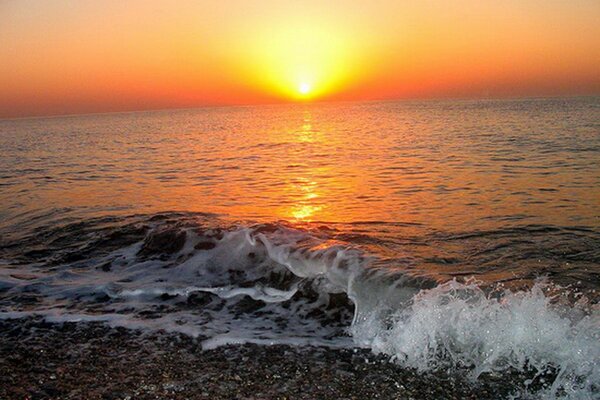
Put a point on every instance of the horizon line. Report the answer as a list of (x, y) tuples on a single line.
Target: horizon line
[(288, 103)]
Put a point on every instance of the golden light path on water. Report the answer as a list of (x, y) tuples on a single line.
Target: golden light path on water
[(431, 163), (308, 188)]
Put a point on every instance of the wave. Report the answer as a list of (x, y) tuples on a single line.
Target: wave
[(278, 284)]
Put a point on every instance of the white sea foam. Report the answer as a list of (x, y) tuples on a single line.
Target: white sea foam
[(461, 325), (457, 324), (293, 277)]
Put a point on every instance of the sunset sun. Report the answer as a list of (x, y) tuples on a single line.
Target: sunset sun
[(304, 88), (302, 61)]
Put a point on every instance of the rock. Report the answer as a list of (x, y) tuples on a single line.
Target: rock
[(167, 296), (106, 267), (205, 246), (166, 241), (200, 299)]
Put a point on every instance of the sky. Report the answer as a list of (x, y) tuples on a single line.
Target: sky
[(70, 57)]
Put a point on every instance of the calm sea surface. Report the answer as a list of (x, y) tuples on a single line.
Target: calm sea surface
[(391, 203), (527, 168), (447, 166)]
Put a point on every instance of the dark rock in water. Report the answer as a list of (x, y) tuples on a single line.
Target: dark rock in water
[(167, 296), (167, 241), (102, 298), (248, 305), (205, 246), (339, 301), (106, 267), (200, 298)]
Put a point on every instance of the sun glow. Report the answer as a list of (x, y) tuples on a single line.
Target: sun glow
[(304, 88), (302, 61)]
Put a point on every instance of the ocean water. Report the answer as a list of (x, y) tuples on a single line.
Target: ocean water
[(446, 234)]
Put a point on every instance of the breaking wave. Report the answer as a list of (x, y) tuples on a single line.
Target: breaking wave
[(279, 284)]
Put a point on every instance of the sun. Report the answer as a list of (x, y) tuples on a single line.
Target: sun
[(301, 61), (304, 88)]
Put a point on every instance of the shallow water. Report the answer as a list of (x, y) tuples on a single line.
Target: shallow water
[(461, 234)]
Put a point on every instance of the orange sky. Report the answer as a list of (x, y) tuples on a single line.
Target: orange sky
[(64, 57)]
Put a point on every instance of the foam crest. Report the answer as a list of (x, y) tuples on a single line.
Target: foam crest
[(460, 325)]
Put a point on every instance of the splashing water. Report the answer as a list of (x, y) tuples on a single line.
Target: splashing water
[(274, 283)]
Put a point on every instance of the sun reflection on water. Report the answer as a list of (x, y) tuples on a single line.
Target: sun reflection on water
[(306, 185), (304, 212)]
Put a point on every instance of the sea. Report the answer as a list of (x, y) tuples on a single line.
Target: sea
[(453, 234)]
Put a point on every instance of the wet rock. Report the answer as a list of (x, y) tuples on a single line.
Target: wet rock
[(166, 241), (167, 296), (102, 298), (106, 267), (200, 299), (247, 305), (205, 245)]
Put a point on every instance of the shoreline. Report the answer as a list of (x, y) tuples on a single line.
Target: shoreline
[(40, 360)]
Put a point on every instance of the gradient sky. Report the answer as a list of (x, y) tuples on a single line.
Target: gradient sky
[(65, 57)]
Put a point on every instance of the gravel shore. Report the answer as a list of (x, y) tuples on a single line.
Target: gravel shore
[(39, 360)]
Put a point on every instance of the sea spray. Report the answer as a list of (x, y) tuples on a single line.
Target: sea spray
[(277, 284), (460, 325)]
